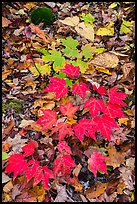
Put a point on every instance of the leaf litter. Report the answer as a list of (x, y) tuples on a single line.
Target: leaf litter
[(77, 103)]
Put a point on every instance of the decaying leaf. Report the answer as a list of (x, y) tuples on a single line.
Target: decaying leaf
[(115, 158), (106, 59), (62, 195), (96, 191), (5, 22), (39, 32)]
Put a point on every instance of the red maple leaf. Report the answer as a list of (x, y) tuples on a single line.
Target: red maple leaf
[(71, 70), (95, 106), (85, 127), (105, 124), (29, 149), (68, 109), (16, 164), (101, 90), (48, 119), (58, 86), (47, 174), (31, 169), (64, 148), (97, 162), (63, 165), (64, 129), (113, 110), (80, 89), (117, 97)]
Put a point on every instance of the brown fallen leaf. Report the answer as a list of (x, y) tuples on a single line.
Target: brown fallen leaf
[(106, 59), (83, 198), (5, 22), (112, 186), (5, 74), (85, 31), (25, 123), (71, 21), (7, 130), (127, 68), (129, 112), (38, 192), (121, 186), (39, 32), (77, 170), (115, 158), (96, 190), (123, 121), (5, 178), (26, 197), (7, 188)]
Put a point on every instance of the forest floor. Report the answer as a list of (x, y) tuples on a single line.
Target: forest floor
[(73, 154)]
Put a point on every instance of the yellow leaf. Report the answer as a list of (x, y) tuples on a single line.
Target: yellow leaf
[(106, 31), (72, 21), (129, 112), (123, 121), (132, 196), (104, 70), (126, 26), (113, 5), (43, 69), (85, 31)]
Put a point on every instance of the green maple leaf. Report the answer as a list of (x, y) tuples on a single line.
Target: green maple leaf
[(70, 49), (55, 57), (4, 156), (43, 69), (70, 52), (83, 65), (87, 51), (88, 18), (70, 43)]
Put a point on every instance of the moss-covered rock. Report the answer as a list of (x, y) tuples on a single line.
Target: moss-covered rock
[(44, 15), (16, 104)]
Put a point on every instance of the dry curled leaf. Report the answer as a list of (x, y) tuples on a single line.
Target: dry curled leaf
[(106, 59)]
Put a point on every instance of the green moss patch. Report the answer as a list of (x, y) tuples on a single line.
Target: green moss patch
[(44, 15)]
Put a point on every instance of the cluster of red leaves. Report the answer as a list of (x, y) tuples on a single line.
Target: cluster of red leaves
[(102, 118)]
